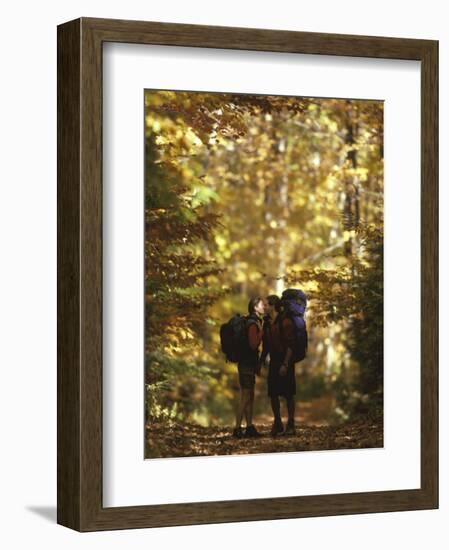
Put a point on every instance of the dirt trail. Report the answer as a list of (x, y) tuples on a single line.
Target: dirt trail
[(193, 440)]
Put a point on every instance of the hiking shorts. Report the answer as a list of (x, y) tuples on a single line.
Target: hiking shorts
[(247, 377), (278, 385)]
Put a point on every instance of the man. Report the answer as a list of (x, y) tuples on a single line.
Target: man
[(278, 343), (247, 367)]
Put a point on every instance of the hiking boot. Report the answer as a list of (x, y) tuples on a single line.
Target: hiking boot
[(251, 431), (290, 429), (237, 433), (277, 428)]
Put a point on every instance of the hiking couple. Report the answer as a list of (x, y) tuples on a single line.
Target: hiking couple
[(278, 326)]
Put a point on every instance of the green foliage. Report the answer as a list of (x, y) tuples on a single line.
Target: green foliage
[(176, 289), (170, 384), (352, 296)]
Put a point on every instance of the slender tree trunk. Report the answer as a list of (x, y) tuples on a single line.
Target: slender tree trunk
[(282, 148)]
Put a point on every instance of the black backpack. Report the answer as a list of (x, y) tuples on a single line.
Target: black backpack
[(233, 337)]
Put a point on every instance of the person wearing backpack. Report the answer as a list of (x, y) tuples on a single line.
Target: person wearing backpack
[(248, 362), (285, 341), (275, 344)]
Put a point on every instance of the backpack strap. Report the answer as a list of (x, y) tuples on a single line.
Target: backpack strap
[(280, 321), (250, 320)]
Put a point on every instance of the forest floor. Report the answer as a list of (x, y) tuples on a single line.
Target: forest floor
[(180, 440)]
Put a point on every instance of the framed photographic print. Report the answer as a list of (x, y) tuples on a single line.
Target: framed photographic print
[(247, 274)]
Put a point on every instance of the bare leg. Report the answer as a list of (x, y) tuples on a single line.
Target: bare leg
[(291, 409), (249, 408), (246, 410), (276, 408), (244, 399)]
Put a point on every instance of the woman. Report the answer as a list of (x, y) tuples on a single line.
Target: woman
[(247, 367)]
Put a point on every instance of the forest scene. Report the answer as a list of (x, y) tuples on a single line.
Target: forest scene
[(247, 196)]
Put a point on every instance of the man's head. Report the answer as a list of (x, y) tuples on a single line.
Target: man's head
[(256, 306), (273, 304)]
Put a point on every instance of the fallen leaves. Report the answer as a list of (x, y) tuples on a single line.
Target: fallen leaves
[(192, 440)]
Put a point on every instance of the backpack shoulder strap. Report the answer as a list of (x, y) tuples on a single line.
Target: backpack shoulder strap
[(250, 321), (281, 318)]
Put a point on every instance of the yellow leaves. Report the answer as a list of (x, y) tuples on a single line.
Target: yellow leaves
[(321, 220), (348, 235), (331, 182), (220, 240), (316, 159), (362, 173), (191, 139), (333, 126), (186, 334), (282, 184), (300, 200)]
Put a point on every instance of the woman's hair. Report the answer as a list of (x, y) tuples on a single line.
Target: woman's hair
[(275, 301), (253, 303)]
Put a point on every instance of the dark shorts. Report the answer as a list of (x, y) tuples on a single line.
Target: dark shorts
[(247, 377), (284, 386)]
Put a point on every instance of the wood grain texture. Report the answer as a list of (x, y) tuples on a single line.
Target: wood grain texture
[(429, 271), (144, 32), (80, 274), (68, 316)]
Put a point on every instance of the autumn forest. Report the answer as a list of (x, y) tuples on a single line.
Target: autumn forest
[(248, 195)]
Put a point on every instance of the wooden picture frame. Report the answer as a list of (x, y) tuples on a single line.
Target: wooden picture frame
[(80, 351)]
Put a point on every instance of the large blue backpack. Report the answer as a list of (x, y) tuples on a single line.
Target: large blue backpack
[(293, 306)]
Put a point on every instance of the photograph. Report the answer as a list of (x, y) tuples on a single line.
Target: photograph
[(263, 273)]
